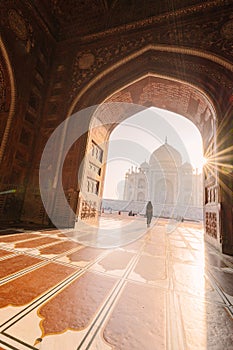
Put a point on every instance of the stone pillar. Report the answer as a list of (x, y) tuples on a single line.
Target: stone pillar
[(225, 160)]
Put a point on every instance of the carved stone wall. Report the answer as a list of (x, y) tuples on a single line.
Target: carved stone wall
[(99, 69), (64, 61), (174, 96), (225, 173), (30, 51), (5, 95), (211, 224), (209, 35)]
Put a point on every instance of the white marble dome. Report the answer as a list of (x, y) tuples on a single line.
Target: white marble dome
[(165, 155)]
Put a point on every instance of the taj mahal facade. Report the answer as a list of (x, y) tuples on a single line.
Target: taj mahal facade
[(174, 188)]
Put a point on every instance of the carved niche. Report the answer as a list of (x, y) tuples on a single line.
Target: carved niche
[(211, 224), (21, 27), (227, 30), (88, 62)]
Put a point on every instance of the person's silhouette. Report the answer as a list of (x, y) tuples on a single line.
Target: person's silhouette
[(149, 213)]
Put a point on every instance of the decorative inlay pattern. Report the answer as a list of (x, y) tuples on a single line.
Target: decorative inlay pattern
[(17, 24), (138, 320), (131, 314), (86, 60), (18, 237), (92, 20), (172, 95), (227, 30), (116, 260), (211, 224), (150, 268), (16, 263), (36, 242), (4, 253), (218, 75), (75, 307), (85, 254), (62, 235), (59, 248), (21, 27), (102, 56), (33, 284), (155, 249)]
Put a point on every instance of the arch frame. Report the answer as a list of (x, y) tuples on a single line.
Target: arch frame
[(11, 114), (188, 52), (107, 80)]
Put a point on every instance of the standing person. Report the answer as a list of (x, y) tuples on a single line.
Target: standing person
[(149, 213)]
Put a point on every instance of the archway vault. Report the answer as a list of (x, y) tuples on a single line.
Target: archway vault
[(189, 82), (172, 95), (206, 71), (162, 92)]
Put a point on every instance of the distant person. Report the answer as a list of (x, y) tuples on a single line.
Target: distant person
[(149, 213)]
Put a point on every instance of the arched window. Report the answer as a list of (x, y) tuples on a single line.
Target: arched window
[(141, 196), (141, 183)]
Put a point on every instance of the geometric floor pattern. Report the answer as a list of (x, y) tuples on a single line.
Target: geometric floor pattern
[(163, 291)]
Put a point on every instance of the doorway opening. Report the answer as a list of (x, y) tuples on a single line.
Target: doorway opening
[(148, 91), (155, 155)]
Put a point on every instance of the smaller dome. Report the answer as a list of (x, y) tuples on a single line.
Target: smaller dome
[(187, 167), (144, 165)]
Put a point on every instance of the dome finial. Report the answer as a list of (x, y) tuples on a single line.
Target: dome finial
[(165, 140)]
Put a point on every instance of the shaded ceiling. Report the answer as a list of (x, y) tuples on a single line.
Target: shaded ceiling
[(68, 18)]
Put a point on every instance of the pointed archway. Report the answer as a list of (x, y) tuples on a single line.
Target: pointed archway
[(180, 80), (176, 96)]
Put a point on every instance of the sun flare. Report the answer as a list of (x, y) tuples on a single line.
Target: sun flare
[(204, 161)]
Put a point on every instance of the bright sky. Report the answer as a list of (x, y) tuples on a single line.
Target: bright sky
[(134, 140)]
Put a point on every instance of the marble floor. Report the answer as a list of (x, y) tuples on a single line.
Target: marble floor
[(163, 291)]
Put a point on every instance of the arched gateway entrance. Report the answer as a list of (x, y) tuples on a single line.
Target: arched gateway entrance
[(163, 92), (176, 82)]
